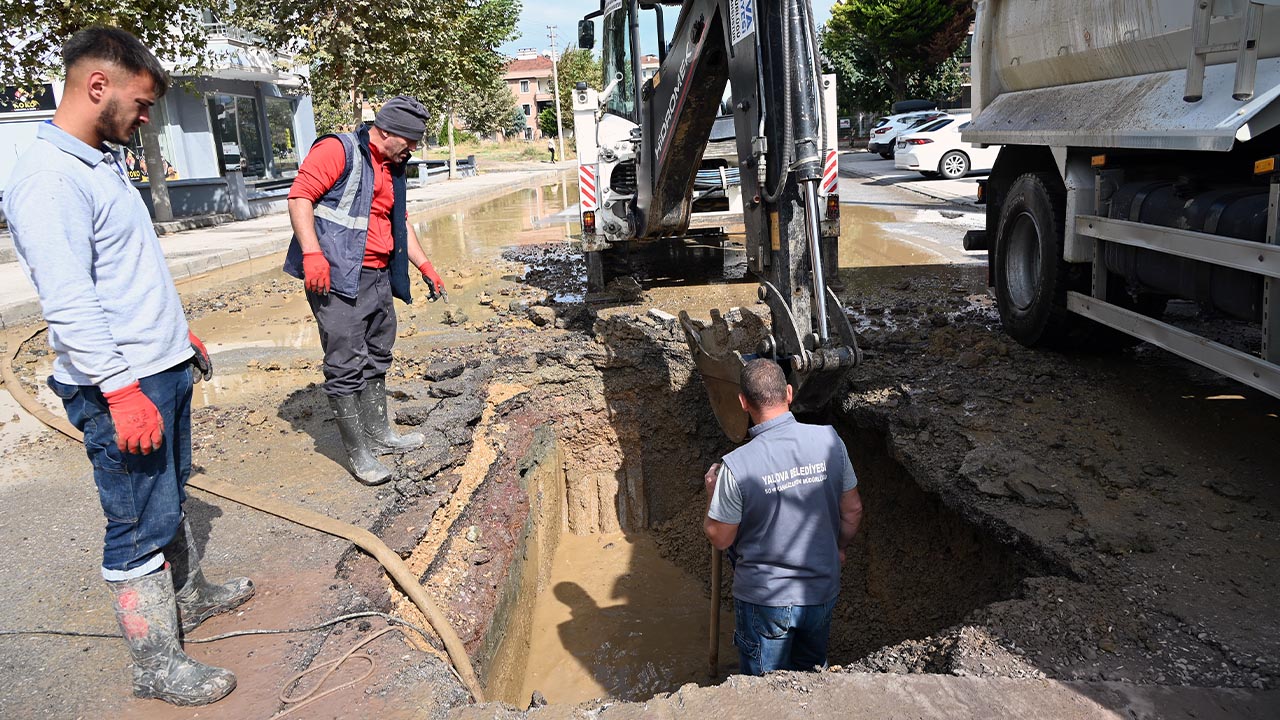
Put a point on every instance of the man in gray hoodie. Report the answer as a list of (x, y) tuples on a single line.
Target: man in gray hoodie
[(125, 358)]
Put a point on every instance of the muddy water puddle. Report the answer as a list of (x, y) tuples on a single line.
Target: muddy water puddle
[(465, 245), (617, 620), (873, 236)]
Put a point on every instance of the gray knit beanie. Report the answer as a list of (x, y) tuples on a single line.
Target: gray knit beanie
[(403, 115)]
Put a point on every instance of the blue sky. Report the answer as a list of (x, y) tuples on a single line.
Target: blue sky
[(565, 14)]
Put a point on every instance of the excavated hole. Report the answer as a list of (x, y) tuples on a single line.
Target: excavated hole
[(609, 592)]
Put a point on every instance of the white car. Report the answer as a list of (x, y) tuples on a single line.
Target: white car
[(886, 131), (936, 150)]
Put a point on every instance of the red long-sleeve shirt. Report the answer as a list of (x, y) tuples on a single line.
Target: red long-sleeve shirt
[(323, 167)]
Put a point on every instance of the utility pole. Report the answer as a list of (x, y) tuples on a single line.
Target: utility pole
[(555, 80)]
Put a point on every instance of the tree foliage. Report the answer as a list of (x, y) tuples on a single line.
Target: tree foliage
[(437, 50), (488, 109), (888, 50), (547, 122), (515, 124), (576, 65), (33, 31)]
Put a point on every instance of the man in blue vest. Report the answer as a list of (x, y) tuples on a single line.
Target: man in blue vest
[(352, 245), (786, 506)]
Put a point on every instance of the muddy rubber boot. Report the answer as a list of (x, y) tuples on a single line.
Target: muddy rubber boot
[(361, 460), (377, 425), (147, 613), (198, 599)]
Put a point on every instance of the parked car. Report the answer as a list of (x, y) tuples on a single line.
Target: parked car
[(936, 150), (887, 130)]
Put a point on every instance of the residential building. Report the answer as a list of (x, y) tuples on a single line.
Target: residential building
[(231, 139), (529, 77), (648, 66)]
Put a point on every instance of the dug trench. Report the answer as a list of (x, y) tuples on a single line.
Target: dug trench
[(570, 550)]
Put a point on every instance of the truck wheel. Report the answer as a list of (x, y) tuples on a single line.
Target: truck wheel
[(1031, 278), (953, 165)]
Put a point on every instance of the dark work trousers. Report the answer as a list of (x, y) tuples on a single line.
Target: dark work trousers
[(356, 335)]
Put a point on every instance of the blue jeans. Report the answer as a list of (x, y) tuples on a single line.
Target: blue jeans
[(790, 637), (141, 495)]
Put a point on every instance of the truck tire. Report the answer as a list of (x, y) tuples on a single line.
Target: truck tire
[(953, 165), (1031, 278)]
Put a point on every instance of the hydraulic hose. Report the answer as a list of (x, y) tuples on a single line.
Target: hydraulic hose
[(783, 167), (362, 538)]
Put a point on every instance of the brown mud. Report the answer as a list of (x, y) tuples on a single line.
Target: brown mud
[(1029, 514)]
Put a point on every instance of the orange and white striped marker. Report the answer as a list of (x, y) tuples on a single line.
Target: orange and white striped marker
[(587, 186)]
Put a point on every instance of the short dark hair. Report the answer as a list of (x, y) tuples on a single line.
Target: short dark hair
[(764, 384), (118, 47)]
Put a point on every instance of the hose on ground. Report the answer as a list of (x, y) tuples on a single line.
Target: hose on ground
[(362, 538)]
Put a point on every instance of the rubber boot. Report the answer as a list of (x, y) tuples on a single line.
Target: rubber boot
[(377, 425), (147, 613), (198, 599), (361, 461)]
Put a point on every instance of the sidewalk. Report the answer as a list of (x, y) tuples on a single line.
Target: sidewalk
[(201, 250), (958, 192)]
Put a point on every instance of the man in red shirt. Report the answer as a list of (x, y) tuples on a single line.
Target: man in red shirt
[(352, 246)]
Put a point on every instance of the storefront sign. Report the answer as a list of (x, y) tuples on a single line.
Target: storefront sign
[(38, 98)]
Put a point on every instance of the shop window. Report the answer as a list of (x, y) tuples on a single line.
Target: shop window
[(237, 134), (135, 160), (284, 142)]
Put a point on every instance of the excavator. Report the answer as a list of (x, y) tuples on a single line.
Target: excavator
[(657, 161)]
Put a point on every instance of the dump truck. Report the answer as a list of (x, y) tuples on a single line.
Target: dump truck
[(1137, 174)]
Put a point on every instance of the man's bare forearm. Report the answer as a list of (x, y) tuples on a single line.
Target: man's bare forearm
[(850, 517), (302, 218)]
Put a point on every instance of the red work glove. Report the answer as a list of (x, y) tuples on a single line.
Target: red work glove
[(201, 362), (315, 269), (139, 428), (431, 278)]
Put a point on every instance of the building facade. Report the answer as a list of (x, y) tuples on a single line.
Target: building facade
[(529, 78), (231, 139)]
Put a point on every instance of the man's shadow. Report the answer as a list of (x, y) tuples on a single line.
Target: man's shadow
[(307, 410), (200, 516)]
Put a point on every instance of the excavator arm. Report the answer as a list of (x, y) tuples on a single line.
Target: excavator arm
[(766, 53)]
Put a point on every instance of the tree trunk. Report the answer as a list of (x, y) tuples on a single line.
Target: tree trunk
[(161, 208), (453, 152), (357, 111)]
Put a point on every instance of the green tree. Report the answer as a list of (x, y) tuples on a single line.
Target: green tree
[(437, 50), (883, 51), (34, 31), (515, 124), (576, 65), (547, 122), (488, 109)]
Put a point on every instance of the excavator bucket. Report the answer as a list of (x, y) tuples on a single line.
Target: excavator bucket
[(715, 353)]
